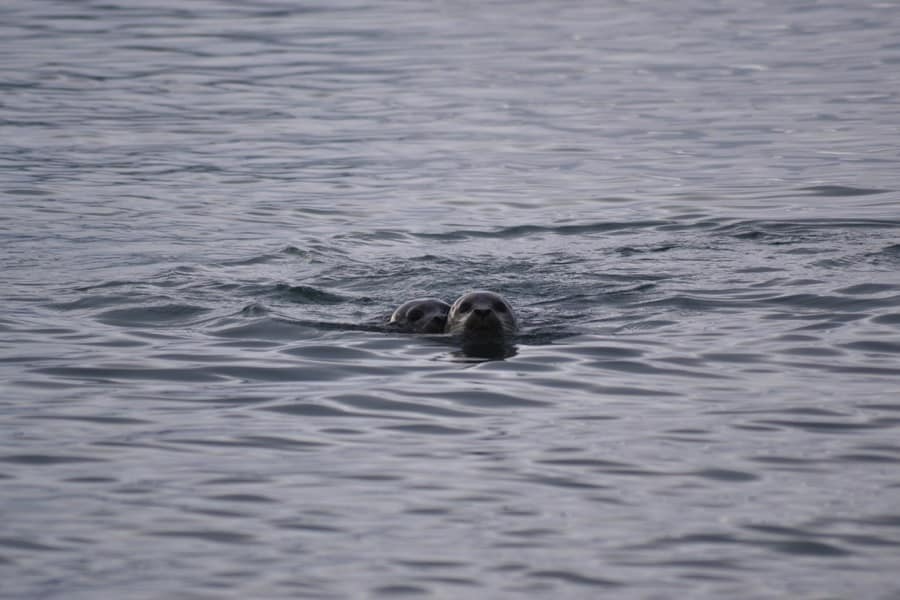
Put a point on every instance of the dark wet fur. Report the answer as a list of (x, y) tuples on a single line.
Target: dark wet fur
[(422, 315)]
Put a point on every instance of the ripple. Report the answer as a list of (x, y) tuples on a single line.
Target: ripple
[(15, 543), (205, 535), (575, 578), (429, 429), (98, 419), (797, 231), (887, 319), (242, 498), (304, 294), (392, 591), (329, 353), (867, 458), (875, 346), (153, 316), (726, 475), (311, 409), (823, 302), (41, 460), (841, 191), (93, 301), (823, 427), (112, 374), (381, 404), (488, 399), (865, 289), (252, 441), (518, 231), (262, 330), (807, 548)]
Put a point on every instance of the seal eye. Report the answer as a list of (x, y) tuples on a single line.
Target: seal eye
[(414, 315), (499, 307), (465, 307)]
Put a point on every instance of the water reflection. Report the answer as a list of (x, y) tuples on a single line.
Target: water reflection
[(484, 351)]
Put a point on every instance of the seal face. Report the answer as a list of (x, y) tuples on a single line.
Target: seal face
[(483, 317), (422, 315)]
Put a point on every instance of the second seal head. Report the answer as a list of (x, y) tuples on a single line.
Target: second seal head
[(422, 315)]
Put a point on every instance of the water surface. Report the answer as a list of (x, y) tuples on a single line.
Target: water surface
[(211, 208)]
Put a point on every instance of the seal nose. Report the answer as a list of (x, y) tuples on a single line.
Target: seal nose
[(482, 312), (437, 325)]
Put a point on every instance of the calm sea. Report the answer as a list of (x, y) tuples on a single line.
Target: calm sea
[(210, 207)]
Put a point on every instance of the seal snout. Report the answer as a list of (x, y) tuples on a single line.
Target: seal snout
[(437, 324), (483, 316)]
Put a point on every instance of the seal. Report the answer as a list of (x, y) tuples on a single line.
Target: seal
[(422, 315), (482, 317)]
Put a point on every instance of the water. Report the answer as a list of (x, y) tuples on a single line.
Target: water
[(210, 208)]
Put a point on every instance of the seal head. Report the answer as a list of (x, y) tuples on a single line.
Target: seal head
[(482, 317), (422, 315)]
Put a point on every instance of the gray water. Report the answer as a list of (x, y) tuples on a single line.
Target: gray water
[(210, 207)]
